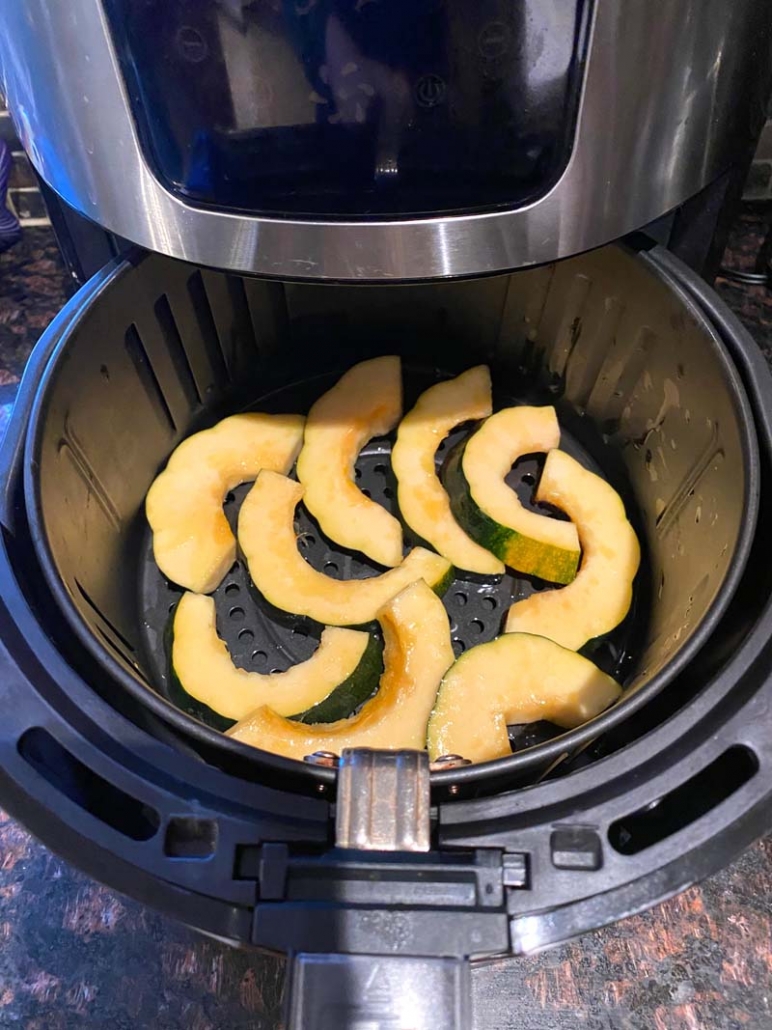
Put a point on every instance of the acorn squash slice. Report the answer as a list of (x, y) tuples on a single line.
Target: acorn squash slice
[(600, 596), (516, 678), (423, 503), (490, 511), (341, 674), (365, 402), (192, 542), (416, 654), (269, 543)]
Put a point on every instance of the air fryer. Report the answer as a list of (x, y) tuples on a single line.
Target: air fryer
[(575, 828), (312, 238)]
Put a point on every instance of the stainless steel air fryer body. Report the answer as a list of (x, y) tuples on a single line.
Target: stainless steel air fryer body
[(351, 140)]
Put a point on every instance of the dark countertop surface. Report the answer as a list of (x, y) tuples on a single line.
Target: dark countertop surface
[(75, 955)]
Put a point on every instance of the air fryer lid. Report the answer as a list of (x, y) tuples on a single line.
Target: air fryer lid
[(372, 111), (645, 390)]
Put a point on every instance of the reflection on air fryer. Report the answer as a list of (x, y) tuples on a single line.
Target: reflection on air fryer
[(480, 510), (357, 107)]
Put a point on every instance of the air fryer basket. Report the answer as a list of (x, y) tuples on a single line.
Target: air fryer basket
[(646, 394)]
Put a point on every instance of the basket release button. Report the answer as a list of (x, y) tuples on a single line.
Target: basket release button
[(576, 847)]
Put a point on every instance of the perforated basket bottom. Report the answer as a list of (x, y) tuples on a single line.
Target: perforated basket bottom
[(262, 639)]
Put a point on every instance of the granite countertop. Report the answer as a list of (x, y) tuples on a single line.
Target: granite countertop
[(76, 955)]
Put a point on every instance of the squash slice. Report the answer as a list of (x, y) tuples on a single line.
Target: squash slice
[(341, 674), (192, 541), (365, 402), (267, 538), (600, 596), (490, 511), (423, 503), (516, 678), (417, 652)]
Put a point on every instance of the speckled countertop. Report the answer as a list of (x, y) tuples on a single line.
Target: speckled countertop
[(76, 955)]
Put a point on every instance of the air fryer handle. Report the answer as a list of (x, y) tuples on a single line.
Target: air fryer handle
[(383, 806), (349, 992)]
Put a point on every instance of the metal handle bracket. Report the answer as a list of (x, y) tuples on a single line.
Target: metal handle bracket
[(383, 801)]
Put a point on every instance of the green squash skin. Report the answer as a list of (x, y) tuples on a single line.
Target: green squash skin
[(180, 698), (359, 687), (341, 702), (442, 586), (552, 564), (344, 700)]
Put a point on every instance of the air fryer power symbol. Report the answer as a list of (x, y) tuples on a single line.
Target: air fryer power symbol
[(191, 45), (430, 90), (494, 40)]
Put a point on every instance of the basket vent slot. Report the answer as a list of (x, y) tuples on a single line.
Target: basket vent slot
[(86, 788), (242, 318), (206, 323), (179, 356), (98, 611), (135, 348), (130, 662), (684, 805)]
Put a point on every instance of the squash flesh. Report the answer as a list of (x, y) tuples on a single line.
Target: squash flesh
[(514, 679), (278, 570), (423, 502), (491, 511), (192, 542), (600, 596), (417, 652), (365, 402), (201, 662)]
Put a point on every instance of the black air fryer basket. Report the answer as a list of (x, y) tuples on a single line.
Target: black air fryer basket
[(658, 389)]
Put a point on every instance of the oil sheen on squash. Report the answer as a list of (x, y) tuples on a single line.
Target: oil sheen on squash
[(600, 596), (417, 653), (365, 402), (423, 503), (514, 679), (281, 574)]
